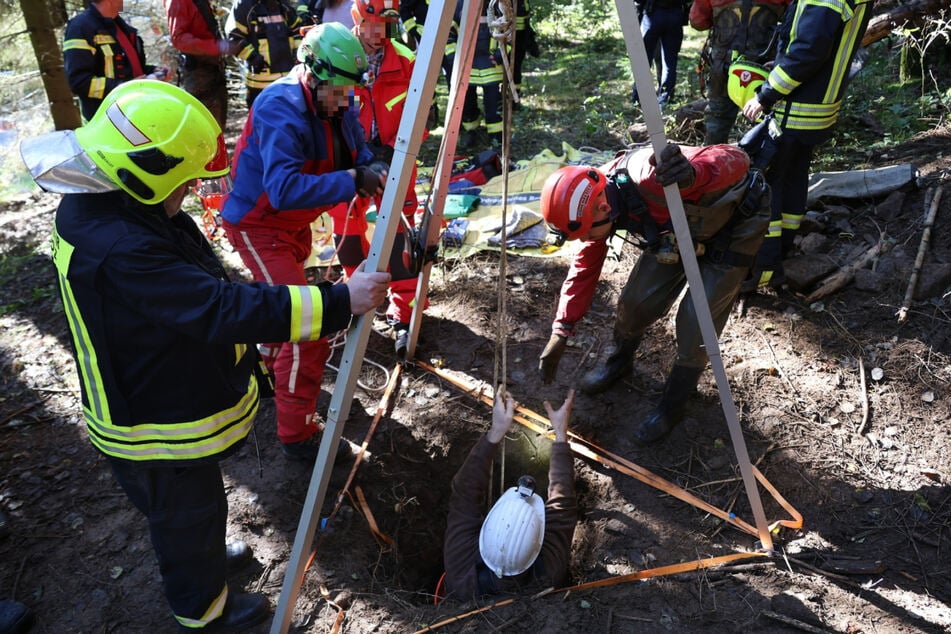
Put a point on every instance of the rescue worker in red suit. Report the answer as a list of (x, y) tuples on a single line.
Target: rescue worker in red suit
[(381, 101), (302, 152), (195, 33), (727, 208), (523, 542)]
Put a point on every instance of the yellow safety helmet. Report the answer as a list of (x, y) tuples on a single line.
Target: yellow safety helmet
[(150, 137), (743, 78)]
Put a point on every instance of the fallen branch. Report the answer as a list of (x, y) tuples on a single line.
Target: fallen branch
[(864, 389), (6, 419), (920, 258), (845, 274), (796, 623), (882, 25)]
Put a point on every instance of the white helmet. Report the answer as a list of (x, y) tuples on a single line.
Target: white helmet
[(512, 533)]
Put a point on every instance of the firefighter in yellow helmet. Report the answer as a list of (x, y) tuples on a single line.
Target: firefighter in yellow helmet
[(163, 341)]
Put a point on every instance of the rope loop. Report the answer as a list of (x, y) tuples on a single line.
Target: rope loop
[(500, 17)]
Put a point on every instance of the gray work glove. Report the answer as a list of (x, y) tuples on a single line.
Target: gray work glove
[(674, 168), (551, 355), (370, 178)]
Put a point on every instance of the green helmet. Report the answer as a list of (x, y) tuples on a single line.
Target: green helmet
[(150, 137), (333, 54)]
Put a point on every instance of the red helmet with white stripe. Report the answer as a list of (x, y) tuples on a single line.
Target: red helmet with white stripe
[(568, 199), (377, 10)]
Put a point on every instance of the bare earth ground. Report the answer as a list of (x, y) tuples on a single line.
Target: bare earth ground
[(874, 554)]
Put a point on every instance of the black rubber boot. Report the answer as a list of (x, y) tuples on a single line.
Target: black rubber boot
[(681, 384), (618, 363)]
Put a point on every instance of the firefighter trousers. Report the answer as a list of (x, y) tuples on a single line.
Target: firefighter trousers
[(277, 256)]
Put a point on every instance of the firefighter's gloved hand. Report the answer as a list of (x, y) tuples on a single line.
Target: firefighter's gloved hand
[(370, 179), (256, 63), (674, 168), (551, 356)]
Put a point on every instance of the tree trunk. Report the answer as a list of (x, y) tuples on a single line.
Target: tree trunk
[(911, 14), (42, 17)]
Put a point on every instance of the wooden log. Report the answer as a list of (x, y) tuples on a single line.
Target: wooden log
[(920, 258), (845, 274), (881, 26)]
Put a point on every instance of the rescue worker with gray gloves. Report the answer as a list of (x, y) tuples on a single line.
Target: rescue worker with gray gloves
[(727, 208), (523, 541)]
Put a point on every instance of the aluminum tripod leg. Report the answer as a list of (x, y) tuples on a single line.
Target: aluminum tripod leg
[(655, 127), (458, 84), (418, 100)]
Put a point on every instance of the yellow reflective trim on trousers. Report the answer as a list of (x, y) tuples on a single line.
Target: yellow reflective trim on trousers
[(184, 441), (791, 222), (239, 351), (775, 229), (78, 44), (389, 105), (86, 359), (307, 313), (215, 610), (493, 128)]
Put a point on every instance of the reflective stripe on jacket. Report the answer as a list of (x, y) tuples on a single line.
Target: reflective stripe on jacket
[(818, 40), (163, 341), (95, 63)]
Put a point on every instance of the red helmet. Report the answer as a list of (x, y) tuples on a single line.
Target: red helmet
[(377, 10), (567, 199)]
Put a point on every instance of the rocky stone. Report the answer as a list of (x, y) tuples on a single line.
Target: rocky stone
[(803, 271), (933, 280)]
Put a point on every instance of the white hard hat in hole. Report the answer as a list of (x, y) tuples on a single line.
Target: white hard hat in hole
[(513, 531)]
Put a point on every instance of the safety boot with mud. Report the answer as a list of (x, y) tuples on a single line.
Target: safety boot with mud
[(618, 363), (681, 384)]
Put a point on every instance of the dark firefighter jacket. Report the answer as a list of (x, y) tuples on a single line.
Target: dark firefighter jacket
[(818, 40), (95, 62), (164, 343)]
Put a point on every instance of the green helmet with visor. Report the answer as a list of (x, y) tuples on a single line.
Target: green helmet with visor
[(334, 55)]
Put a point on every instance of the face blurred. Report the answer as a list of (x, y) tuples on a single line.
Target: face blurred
[(601, 210), (334, 101), (372, 35)]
